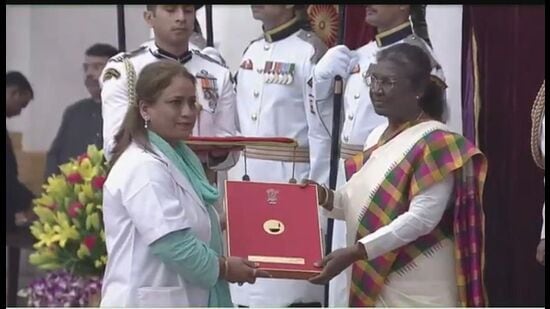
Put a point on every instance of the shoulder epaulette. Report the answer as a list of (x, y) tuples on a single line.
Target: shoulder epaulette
[(251, 42), (318, 45), (120, 57), (198, 53)]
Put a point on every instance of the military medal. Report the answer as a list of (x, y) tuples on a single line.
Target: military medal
[(286, 73), (271, 72), (209, 89), (279, 73), (291, 73), (265, 72)]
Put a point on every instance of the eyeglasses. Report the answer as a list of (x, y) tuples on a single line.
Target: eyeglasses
[(385, 83)]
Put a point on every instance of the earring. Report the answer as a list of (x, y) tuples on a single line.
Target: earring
[(146, 122), (417, 97)]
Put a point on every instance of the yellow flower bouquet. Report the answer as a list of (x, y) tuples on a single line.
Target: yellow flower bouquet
[(69, 229)]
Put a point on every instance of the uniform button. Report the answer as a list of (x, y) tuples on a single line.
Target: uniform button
[(256, 93), (350, 116), (308, 35), (346, 138), (356, 96), (254, 117), (266, 47), (97, 134)]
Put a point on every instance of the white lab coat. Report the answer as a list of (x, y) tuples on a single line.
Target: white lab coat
[(145, 198)]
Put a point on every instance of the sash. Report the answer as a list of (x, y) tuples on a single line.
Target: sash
[(435, 154)]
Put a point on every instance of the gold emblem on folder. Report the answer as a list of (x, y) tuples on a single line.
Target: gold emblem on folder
[(272, 196), (274, 227)]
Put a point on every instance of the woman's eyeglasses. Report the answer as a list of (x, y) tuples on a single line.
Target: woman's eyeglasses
[(384, 82)]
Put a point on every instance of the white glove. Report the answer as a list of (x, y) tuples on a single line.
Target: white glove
[(339, 60), (213, 53)]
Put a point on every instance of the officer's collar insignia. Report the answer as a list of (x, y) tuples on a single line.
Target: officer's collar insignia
[(111, 73), (247, 65), (283, 31), (394, 35), (356, 69), (160, 53)]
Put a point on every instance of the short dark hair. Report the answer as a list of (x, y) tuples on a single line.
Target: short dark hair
[(417, 64), (17, 79), (101, 50)]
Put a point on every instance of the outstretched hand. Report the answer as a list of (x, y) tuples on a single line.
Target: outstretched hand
[(306, 182), (242, 270), (336, 262), (322, 192)]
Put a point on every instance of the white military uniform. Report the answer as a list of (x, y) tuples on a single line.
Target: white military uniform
[(215, 93), (145, 198), (360, 119), (273, 100)]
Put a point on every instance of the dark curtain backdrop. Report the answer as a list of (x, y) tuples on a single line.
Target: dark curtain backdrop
[(357, 31), (511, 69)]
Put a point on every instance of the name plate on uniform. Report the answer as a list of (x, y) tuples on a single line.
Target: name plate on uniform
[(276, 225)]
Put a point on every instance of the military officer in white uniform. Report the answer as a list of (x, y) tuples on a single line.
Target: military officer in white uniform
[(273, 100), (172, 26), (393, 26)]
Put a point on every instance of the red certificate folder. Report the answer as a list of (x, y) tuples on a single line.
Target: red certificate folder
[(276, 225)]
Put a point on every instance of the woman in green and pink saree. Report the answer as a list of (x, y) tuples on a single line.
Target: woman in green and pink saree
[(413, 200)]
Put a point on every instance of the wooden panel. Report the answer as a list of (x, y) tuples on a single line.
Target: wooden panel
[(31, 165), (31, 172)]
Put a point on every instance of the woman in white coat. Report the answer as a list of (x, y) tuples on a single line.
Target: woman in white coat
[(162, 233)]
